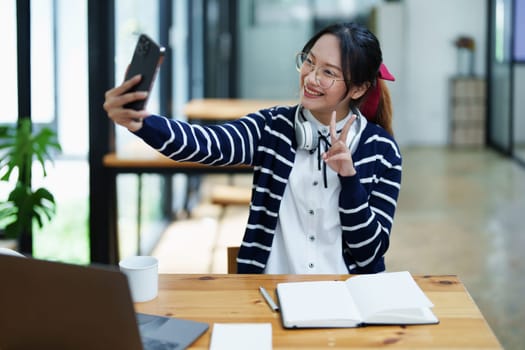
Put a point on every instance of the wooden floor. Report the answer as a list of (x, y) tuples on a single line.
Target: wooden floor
[(459, 212)]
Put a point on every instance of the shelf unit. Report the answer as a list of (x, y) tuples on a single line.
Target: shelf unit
[(468, 111)]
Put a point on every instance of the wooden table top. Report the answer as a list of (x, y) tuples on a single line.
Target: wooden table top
[(220, 109), (157, 161), (236, 299)]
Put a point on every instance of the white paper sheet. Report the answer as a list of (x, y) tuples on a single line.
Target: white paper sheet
[(241, 336)]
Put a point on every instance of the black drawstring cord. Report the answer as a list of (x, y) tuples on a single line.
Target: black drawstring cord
[(327, 145)]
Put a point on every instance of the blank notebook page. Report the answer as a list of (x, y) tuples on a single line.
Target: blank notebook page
[(317, 301), (387, 291)]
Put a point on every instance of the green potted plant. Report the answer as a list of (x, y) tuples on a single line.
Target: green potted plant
[(25, 206)]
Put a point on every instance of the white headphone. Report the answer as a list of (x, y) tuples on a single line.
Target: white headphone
[(306, 133)]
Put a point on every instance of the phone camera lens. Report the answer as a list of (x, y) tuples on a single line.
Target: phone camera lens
[(143, 47)]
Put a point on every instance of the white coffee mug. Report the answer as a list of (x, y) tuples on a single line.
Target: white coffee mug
[(143, 277)]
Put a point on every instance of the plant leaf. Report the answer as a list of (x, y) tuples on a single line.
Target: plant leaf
[(19, 148), (22, 147)]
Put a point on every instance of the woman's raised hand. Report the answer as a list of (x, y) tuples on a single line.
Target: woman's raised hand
[(116, 98)]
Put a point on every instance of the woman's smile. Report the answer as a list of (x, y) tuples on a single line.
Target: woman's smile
[(310, 91)]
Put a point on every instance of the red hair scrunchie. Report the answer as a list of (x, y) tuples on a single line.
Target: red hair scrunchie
[(369, 106)]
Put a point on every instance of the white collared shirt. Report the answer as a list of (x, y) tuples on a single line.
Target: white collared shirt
[(308, 236)]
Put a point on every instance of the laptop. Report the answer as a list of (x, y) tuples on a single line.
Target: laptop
[(52, 305)]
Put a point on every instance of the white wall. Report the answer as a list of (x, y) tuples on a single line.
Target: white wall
[(417, 39)]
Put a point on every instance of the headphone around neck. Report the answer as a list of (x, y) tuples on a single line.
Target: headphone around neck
[(306, 134), (307, 138)]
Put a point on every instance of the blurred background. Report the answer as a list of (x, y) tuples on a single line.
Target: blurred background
[(458, 110)]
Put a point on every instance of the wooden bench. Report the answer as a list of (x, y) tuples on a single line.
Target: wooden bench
[(230, 195)]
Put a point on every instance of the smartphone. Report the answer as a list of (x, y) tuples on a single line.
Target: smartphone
[(146, 60)]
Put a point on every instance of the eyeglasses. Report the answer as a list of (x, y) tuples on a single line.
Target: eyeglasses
[(325, 76)]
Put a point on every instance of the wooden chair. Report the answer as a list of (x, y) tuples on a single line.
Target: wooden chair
[(232, 253)]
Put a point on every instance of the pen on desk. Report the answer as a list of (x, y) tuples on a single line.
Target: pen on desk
[(268, 299)]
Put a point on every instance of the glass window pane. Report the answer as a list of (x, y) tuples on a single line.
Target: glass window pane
[(9, 86), (72, 77), (60, 68), (519, 31), (501, 73), (42, 61)]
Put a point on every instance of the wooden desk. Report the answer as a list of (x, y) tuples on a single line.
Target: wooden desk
[(219, 109), (236, 299)]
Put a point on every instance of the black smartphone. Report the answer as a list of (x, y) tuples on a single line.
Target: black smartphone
[(146, 60)]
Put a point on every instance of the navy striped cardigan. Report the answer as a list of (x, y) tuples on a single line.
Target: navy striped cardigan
[(266, 141)]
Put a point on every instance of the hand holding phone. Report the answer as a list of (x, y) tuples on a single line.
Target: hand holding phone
[(146, 60)]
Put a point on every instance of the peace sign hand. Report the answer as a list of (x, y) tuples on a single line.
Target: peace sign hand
[(338, 157)]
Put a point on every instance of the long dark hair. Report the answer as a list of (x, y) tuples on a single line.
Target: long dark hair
[(361, 57)]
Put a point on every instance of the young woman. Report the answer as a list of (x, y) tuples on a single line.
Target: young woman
[(326, 178)]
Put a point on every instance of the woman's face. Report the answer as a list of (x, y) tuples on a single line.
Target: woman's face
[(323, 62)]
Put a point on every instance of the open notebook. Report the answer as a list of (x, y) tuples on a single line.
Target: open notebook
[(51, 305), (384, 298)]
